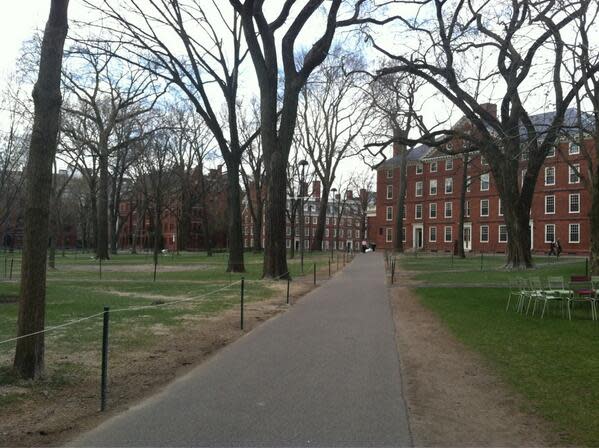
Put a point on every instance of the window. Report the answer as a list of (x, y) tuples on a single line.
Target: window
[(448, 236), (314, 220), (306, 244), (484, 182), (484, 234), (307, 220), (418, 211), (574, 148), (433, 167), (288, 244), (403, 234), (389, 213), (448, 209), (327, 221), (483, 161), (467, 209), (468, 183), (550, 175), (419, 188), (326, 245), (307, 231), (389, 234), (432, 234), (574, 233), (449, 165), (573, 176), (341, 233), (326, 233), (389, 174), (349, 233), (522, 178), (502, 234), (551, 152), (403, 213), (389, 191), (288, 231), (419, 168), (549, 205), (575, 203), (448, 185), (549, 233), (432, 188), (484, 207), (432, 211), (500, 208)]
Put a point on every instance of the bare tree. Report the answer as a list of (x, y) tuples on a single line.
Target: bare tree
[(363, 184), (182, 43), (521, 37), (47, 98), (332, 115), (277, 127), (108, 94)]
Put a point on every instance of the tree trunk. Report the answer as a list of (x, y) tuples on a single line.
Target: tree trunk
[(235, 235), (157, 230), (401, 199), (461, 251), (114, 226), (322, 216), (258, 226), (292, 231), (275, 260), (29, 353), (102, 243), (53, 236), (594, 218)]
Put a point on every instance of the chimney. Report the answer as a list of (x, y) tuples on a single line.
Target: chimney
[(316, 189), (349, 194), (363, 194), (491, 108), (397, 147)]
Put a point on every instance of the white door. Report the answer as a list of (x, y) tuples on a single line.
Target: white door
[(468, 237)]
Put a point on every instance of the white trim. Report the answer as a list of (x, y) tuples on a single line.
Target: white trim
[(499, 233), (421, 185), (485, 178), (570, 203), (571, 172), (480, 233), (547, 196), (430, 208), (430, 187), (545, 234), (430, 239), (416, 206), (547, 169), (570, 233), (450, 210), (481, 208), (445, 240), (390, 191), (389, 217)]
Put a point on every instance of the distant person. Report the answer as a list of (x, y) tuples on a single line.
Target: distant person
[(558, 248), (364, 246), (552, 247)]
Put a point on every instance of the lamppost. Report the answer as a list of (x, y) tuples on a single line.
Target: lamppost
[(302, 164), (332, 230)]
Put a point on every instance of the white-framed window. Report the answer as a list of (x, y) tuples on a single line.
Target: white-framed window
[(502, 232), (549, 175), (432, 210), (549, 233), (288, 231), (306, 220), (448, 234), (307, 231), (341, 231), (484, 207), (349, 233), (522, 178), (484, 182), (500, 207), (573, 177), (315, 220), (389, 174), (551, 152), (467, 209), (449, 165), (432, 234), (418, 211), (433, 167), (574, 233), (574, 203), (468, 183), (403, 234), (327, 220), (403, 213), (484, 234), (432, 187), (419, 188), (573, 148), (326, 233), (326, 245), (448, 185), (550, 205), (389, 213), (288, 244), (419, 169), (483, 161), (448, 209), (389, 191), (389, 234)]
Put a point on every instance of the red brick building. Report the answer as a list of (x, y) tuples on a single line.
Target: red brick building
[(559, 211), (344, 215)]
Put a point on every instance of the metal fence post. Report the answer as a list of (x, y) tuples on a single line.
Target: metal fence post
[(288, 281), (104, 382), (329, 268), (481, 261), (242, 294), (100, 268), (155, 267), (314, 269), (586, 267)]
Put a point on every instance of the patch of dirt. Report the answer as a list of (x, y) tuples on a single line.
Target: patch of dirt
[(453, 397), (4, 299), (47, 418), (141, 295)]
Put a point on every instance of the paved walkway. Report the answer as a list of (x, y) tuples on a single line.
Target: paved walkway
[(326, 373)]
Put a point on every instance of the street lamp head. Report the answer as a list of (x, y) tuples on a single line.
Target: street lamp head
[(302, 163), (333, 190)]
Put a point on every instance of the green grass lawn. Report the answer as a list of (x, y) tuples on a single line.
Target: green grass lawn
[(75, 290), (553, 362)]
